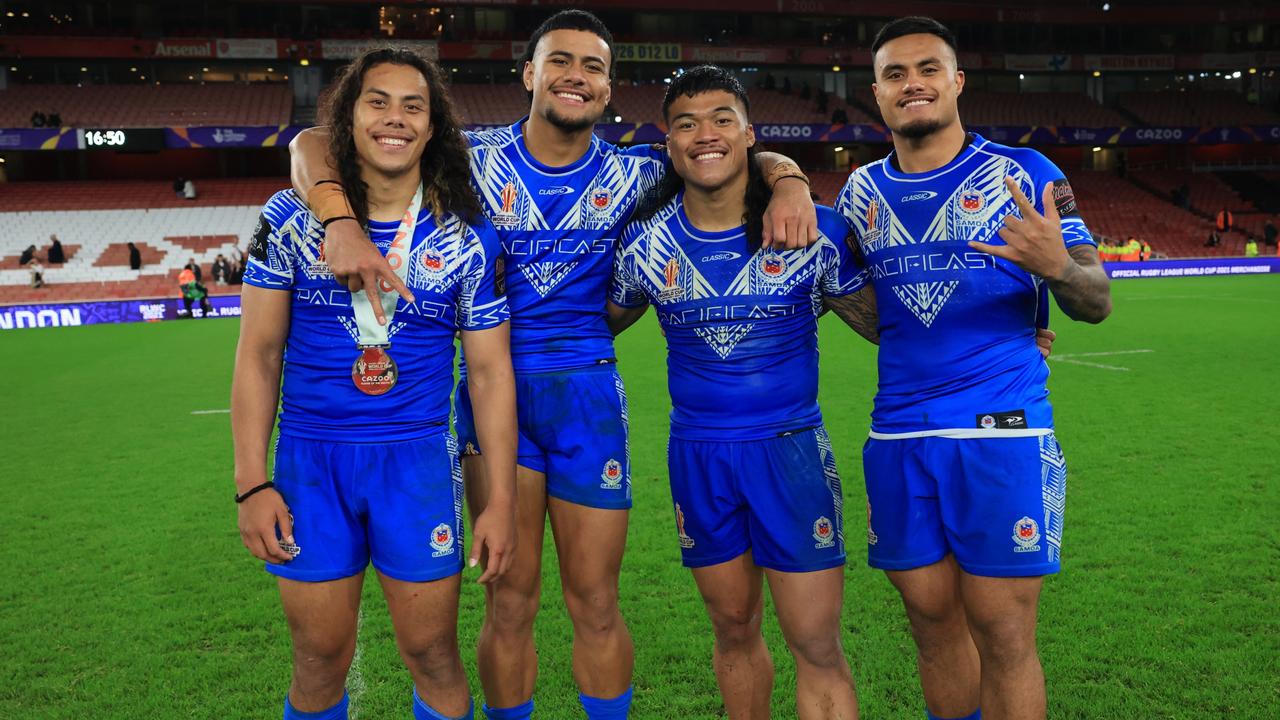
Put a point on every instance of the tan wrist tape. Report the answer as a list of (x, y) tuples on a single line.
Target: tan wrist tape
[(328, 200)]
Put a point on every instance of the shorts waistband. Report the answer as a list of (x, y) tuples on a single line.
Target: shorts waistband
[(963, 434)]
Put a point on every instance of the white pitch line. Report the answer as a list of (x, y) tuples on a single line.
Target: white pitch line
[(223, 411), (1097, 365), (1098, 354), (355, 680)]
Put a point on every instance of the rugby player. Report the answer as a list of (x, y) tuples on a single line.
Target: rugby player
[(365, 466), (966, 483), (753, 477), (559, 197)]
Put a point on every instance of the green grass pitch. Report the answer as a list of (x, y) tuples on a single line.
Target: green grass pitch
[(127, 594)]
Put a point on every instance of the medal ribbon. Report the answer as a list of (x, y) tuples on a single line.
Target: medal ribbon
[(371, 333)]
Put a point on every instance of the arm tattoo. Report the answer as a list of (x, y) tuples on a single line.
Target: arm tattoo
[(1084, 290), (858, 311)]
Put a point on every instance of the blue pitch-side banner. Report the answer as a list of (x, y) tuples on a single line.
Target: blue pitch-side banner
[(16, 317), (1193, 267), (630, 133)]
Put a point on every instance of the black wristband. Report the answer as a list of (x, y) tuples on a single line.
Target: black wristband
[(321, 182), (326, 223), (249, 493)]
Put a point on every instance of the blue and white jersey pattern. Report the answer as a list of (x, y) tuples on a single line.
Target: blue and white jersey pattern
[(559, 230), (740, 325), (456, 275), (957, 353)]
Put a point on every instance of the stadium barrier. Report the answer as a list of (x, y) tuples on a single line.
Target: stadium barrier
[(280, 135), (1193, 267), (18, 317)]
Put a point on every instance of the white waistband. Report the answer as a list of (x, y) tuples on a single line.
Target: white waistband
[(964, 433)]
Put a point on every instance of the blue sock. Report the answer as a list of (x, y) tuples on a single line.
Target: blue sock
[(423, 711), (337, 712), (519, 712), (614, 709), (975, 715)]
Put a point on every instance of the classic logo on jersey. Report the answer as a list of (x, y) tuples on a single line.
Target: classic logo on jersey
[(726, 255), (433, 260), (505, 217), (723, 338), (611, 478), (824, 532), (772, 265), (923, 195), (872, 538), (671, 276), (925, 300), (557, 190), (442, 540), (600, 199), (971, 201), (546, 275), (1026, 534), (686, 542)]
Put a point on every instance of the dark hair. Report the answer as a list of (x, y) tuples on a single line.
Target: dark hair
[(913, 25), (446, 161), (699, 80), (570, 20)]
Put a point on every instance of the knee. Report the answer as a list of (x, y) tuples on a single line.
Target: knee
[(817, 649), (512, 610), (594, 610), (935, 618), (735, 627), (1004, 642), (323, 661), (436, 658)]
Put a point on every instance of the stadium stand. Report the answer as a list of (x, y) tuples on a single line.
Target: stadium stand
[(1203, 108), (96, 221), (490, 104), (979, 107), (149, 105)]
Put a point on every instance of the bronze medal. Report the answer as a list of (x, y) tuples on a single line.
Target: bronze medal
[(374, 372)]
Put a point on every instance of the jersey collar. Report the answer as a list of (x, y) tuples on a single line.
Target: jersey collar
[(972, 141), (528, 159)]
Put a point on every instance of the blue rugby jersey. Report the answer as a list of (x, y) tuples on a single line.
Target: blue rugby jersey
[(957, 326), (559, 230), (741, 326), (456, 276)]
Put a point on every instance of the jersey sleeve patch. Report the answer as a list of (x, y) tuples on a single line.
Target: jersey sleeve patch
[(1064, 198)]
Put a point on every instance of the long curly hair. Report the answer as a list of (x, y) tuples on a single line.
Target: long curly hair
[(446, 161), (702, 79)]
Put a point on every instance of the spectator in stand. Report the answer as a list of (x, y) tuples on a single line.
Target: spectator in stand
[(135, 257), (237, 265), (37, 271), (821, 97), (27, 255), (189, 190), (1215, 239), (194, 267), (57, 255), (839, 117), (1269, 233), (53, 120), (221, 270), (1251, 247), (37, 119), (178, 184), (1226, 221), (192, 291)]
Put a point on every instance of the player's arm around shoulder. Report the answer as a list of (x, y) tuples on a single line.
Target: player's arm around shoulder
[(255, 389), (845, 283), (486, 345), (1051, 241), (627, 302), (791, 219)]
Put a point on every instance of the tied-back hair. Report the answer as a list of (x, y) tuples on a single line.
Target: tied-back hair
[(446, 161), (702, 79)]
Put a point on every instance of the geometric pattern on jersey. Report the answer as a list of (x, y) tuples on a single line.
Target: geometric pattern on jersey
[(559, 228), (957, 324), (732, 316), (1053, 483)]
